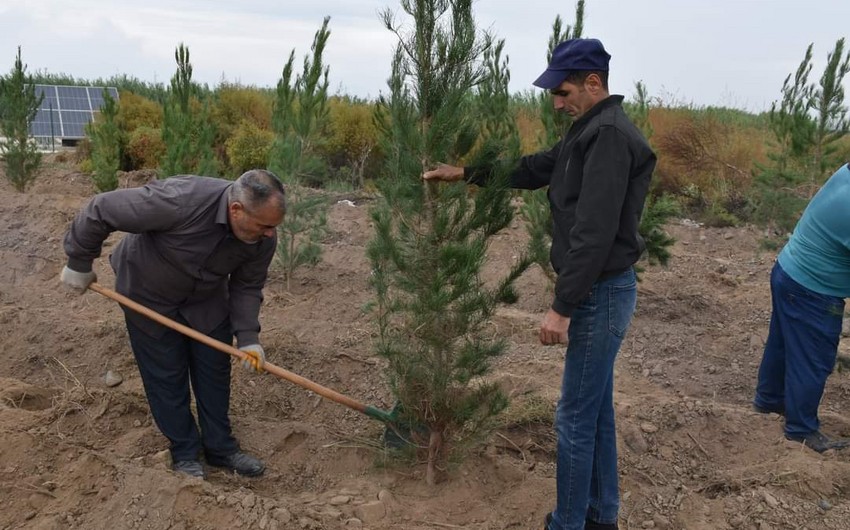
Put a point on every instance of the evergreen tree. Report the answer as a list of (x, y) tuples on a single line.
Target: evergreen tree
[(18, 107), (188, 135), (658, 210), (431, 238), (106, 145), (535, 209), (298, 118), (804, 146), (303, 228), (831, 123)]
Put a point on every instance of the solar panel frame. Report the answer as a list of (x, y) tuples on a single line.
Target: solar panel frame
[(71, 108)]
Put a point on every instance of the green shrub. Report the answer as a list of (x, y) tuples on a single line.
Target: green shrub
[(248, 147), (353, 139)]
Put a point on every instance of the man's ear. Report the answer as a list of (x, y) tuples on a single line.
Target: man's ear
[(593, 83)]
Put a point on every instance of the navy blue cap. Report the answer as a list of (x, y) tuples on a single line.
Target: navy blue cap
[(571, 55)]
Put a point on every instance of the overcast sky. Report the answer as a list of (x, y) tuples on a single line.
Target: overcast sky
[(733, 53)]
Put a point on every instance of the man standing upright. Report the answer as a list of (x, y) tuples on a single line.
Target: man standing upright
[(598, 177), (197, 251)]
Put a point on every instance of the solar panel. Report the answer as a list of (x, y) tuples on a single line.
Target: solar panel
[(66, 110)]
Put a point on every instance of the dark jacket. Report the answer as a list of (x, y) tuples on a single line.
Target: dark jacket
[(180, 256), (598, 177)]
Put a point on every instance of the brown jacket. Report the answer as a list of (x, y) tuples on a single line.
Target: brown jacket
[(179, 257)]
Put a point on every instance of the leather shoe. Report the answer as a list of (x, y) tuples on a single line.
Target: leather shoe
[(588, 524), (193, 468), (240, 463), (819, 442)]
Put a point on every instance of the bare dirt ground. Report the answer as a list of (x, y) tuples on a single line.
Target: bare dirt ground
[(76, 453)]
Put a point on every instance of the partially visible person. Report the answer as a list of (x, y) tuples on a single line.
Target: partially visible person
[(808, 285), (598, 177), (197, 251)]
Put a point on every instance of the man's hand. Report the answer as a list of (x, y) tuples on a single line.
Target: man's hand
[(256, 359), (79, 281), (554, 328), (444, 172)]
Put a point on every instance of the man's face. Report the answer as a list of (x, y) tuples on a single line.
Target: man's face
[(573, 99), (251, 226)]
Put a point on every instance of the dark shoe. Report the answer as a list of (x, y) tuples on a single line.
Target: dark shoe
[(819, 442), (193, 468), (239, 462), (547, 522), (593, 525), (766, 410)]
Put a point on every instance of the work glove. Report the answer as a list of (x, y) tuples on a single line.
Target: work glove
[(256, 357), (77, 280)]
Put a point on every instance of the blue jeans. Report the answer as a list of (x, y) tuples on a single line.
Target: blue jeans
[(587, 478), (167, 365), (800, 352)]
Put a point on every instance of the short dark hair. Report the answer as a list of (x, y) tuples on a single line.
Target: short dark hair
[(577, 77), (256, 187)]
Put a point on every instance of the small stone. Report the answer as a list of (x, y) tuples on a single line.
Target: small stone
[(385, 496), (648, 428), (249, 501), (648, 524), (137, 423), (371, 512), (769, 499), (339, 500), (354, 523), (112, 378), (824, 505), (661, 521), (282, 515)]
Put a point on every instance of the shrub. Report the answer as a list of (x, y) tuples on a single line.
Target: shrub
[(145, 148), (353, 138), (135, 111), (248, 147)]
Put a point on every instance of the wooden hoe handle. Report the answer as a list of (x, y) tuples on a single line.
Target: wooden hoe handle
[(227, 348)]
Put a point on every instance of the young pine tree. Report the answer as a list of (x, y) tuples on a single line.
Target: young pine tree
[(805, 146), (431, 238), (106, 145), (831, 121), (18, 107), (188, 134), (659, 209), (299, 115), (535, 209)]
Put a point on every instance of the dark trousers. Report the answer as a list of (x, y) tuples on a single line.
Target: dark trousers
[(800, 352), (167, 365)]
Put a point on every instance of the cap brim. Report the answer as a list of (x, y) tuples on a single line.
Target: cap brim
[(550, 79)]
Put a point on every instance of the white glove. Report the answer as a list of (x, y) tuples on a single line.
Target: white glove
[(256, 357), (77, 280)]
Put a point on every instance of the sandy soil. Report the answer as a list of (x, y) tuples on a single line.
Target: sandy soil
[(76, 453)]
